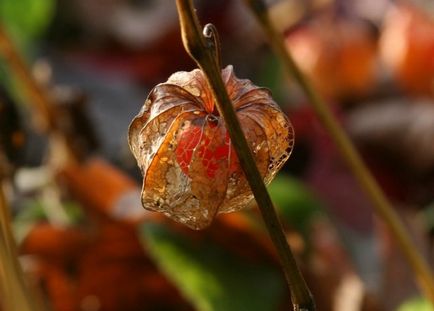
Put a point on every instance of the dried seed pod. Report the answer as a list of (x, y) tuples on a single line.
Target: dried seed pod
[(190, 170)]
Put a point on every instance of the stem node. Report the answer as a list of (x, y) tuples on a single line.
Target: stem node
[(207, 58)]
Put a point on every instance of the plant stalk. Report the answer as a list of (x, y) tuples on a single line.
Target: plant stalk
[(14, 292), (382, 206), (44, 107), (204, 53), (37, 95)]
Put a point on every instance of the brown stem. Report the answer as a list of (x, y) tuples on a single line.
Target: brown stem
[(15, 294), (38, 97), (204, 55), (43, 105), (380, 202)]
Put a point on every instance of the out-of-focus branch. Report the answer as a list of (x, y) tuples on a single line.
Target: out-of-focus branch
[(37, 95), (15, 295), (381, 204)]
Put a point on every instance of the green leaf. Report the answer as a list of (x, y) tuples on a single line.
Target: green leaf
[(427, 215), (74, 211), (23, 21), (26, 19), (33, 212), (294, 202), (271, 76), (416, 304), (211, 278)]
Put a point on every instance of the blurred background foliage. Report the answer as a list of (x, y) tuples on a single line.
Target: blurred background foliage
[(27, 20), (85, 242)]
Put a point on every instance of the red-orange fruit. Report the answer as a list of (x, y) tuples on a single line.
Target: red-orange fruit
[(338, 56), (190, 170), (407, 47)]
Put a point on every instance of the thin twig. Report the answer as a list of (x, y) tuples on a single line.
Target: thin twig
[(381, 204), (37, 95), (15, 292), (203, 52), (44, 108)]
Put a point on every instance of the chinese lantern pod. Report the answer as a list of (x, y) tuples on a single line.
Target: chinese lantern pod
[(181, 144)]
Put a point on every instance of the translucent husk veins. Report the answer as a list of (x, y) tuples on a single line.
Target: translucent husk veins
[(204, 54), (190, 169)]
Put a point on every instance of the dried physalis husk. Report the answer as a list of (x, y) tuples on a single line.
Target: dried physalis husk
[(190, 169)]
